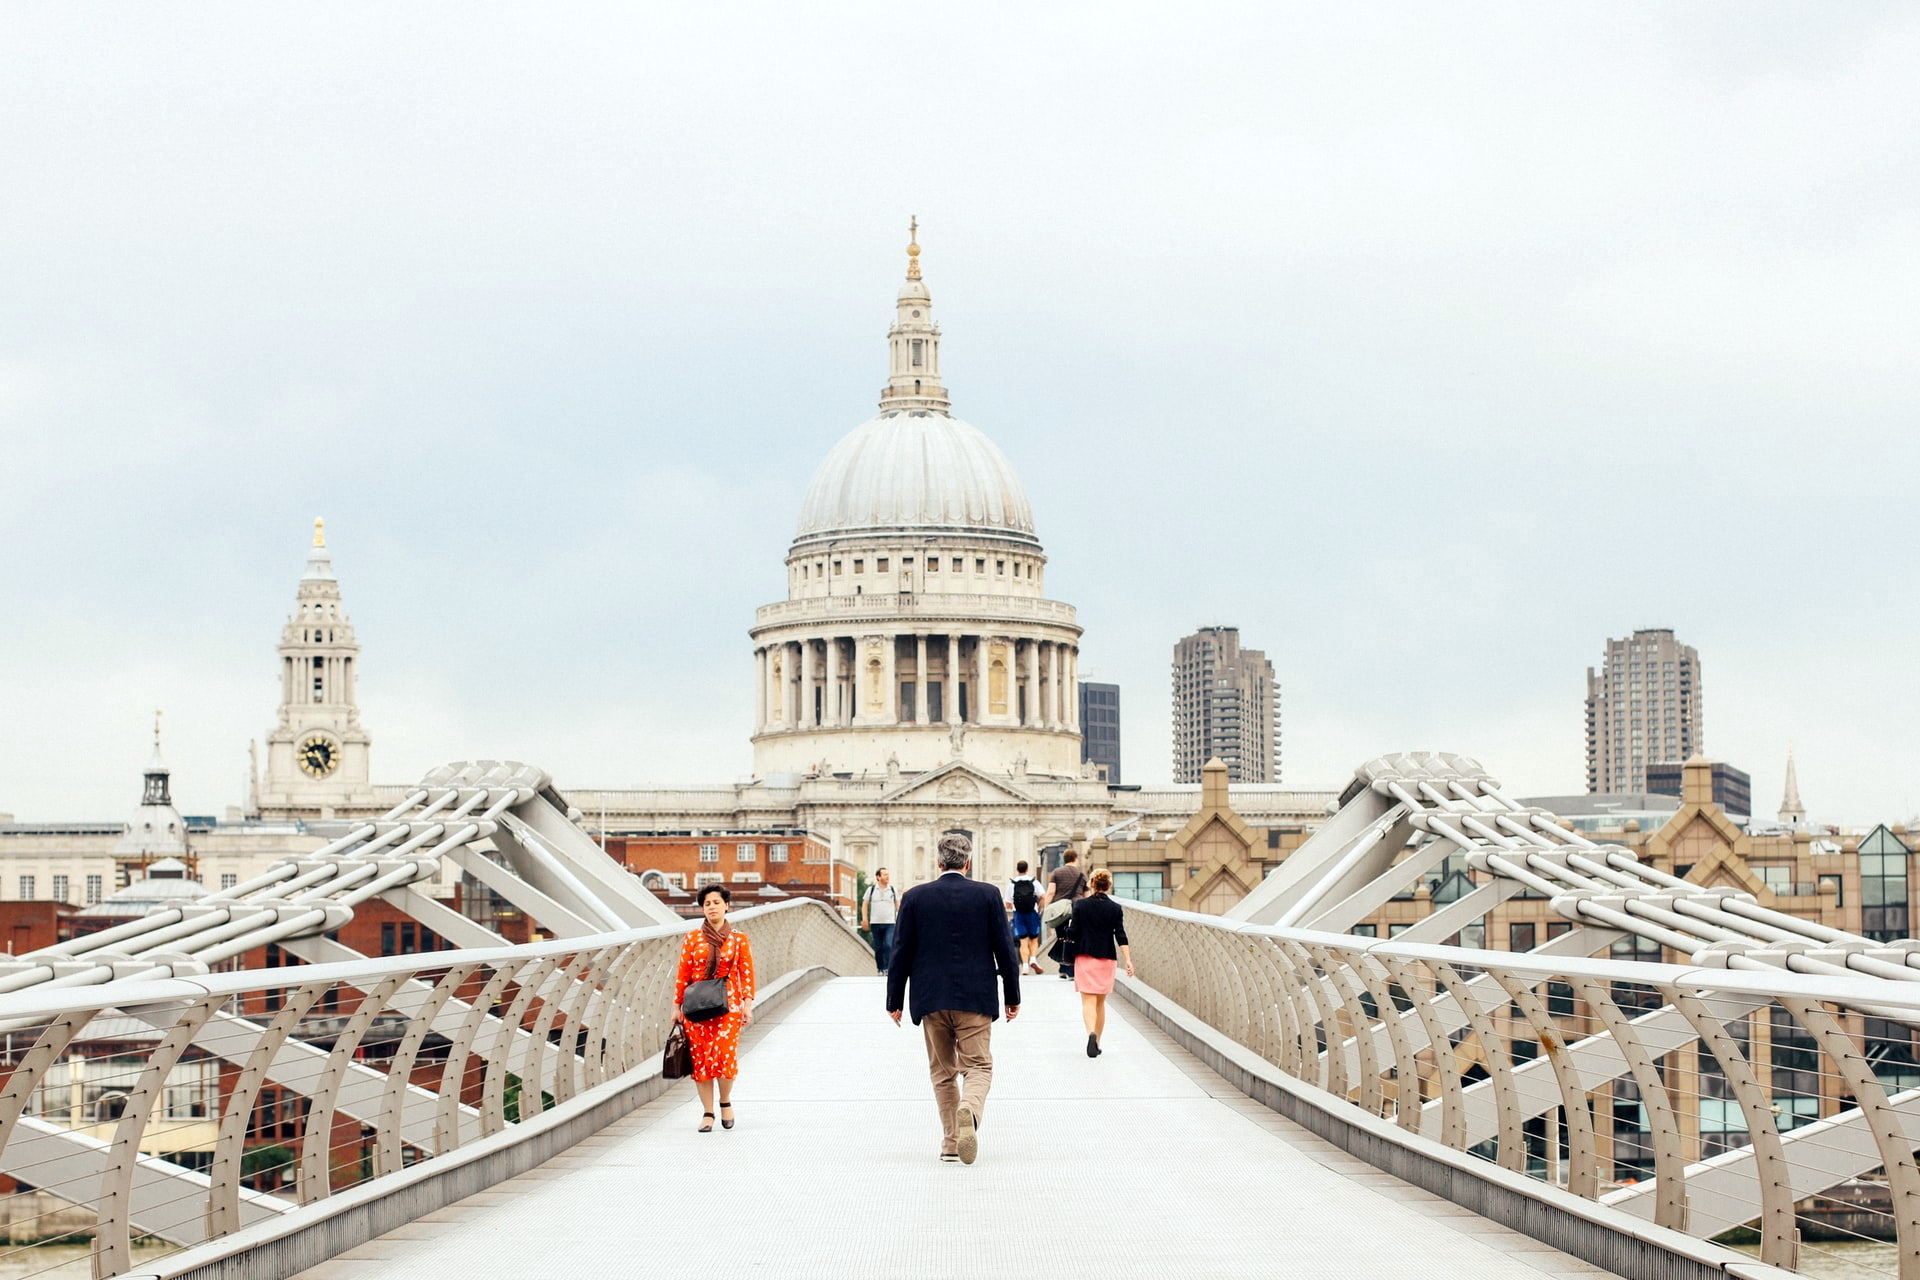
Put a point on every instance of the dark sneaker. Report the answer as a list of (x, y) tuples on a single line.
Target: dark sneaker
[(1093, 1046), (969, 1137)]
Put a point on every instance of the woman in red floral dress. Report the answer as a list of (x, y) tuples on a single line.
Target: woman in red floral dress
[(716, 1042)]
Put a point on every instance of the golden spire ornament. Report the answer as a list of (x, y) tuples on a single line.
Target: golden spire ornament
[(319, 532), (913, 248)]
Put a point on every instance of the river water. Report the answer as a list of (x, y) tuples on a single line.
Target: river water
[(1844, 1260), (62, 1261)]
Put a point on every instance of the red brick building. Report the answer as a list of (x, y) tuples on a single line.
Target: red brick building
[(795, 863)]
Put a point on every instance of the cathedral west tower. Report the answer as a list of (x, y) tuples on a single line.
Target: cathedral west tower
[(317, 751), (916, 629)]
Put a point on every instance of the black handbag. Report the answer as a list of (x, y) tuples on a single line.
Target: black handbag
[(676, 1060), (705, 1000)]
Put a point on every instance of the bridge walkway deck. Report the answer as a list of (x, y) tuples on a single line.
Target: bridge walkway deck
[(1140, 1162)]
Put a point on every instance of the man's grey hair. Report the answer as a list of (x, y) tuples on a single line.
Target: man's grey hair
[(955, 852)]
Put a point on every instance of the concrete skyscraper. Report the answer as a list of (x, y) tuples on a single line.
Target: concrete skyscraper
[(1226, 704), (1644, 707)]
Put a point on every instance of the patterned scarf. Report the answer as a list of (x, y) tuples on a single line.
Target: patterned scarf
[(716, 938)]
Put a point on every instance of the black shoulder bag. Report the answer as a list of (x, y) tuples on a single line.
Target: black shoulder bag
[(706, 999)]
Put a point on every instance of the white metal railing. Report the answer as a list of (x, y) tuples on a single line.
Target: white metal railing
[(1704, 1099), (170, 1112)]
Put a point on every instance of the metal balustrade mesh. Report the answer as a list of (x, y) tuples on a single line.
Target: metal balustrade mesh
[(196, 1107), (1767, 1118)]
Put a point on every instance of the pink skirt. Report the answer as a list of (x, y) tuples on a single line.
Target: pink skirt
[(1093, 977)]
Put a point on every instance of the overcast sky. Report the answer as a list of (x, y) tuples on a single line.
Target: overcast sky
[(1431, 346)]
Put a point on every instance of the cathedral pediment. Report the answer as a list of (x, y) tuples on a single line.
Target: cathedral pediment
[(957, 783)]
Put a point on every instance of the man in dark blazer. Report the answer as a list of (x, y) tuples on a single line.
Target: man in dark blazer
[(949, 940)]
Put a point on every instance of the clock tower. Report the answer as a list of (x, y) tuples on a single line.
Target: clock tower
[(317, 753)]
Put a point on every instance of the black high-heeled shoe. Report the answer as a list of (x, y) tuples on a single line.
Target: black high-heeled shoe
[(725, 1123), (708, 1126)]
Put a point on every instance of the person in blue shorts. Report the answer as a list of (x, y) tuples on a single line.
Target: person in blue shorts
[(1023, 895)]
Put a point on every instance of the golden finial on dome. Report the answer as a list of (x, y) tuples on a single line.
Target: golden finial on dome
[(319, 532), (913, 248)]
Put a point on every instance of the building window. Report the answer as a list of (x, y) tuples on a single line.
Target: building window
[(980, 564), (859, 566), (1778, 879), (1141, 886), (1520, 935), (1366, 931), (1839, 893), (60, 889), (917, 342), (26, 887), (1000, 568), (744, 853), (957, 562), (709, 853), (836, 568), (880, 565), (776, 853), (94, 889), (706, 878), (228, 879), (746, 877), (933, 564), (1883, 886)]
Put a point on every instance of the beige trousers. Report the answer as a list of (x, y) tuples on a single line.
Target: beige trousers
[(958, 1044)]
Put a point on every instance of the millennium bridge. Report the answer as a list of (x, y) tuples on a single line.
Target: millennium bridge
[(1279, 1096)]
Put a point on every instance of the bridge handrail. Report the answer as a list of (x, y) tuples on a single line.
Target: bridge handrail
[(1724, 1086), (364, 1067), (1855, 991)]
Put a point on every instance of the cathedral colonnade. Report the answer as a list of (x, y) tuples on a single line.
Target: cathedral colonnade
[(927, 678)]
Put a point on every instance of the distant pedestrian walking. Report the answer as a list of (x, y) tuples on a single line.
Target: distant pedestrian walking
[(1097, 939), (1023, 895), (878, 910), (950, 941), (716, 950), (1064, 886)]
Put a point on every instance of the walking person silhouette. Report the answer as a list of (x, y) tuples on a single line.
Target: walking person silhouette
[(949, 943)]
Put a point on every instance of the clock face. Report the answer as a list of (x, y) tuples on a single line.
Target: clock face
[(318, 756)]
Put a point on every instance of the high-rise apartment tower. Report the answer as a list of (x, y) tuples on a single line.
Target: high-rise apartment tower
[(1226, 703), (1644, 706)]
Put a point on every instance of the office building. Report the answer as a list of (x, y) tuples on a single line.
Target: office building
[(1100, 727), (1732, 788), (1226, 706)]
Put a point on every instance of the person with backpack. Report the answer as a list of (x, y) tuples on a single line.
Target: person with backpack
[(878, 910), (1065, 885), (1023, 895)]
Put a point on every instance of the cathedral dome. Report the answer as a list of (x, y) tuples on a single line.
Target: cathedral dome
[(914, 471)]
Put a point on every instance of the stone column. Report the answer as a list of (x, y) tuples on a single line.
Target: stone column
[(796, 676), (1056, 716), (920, 697), (890, 672), (1033, 680), (760, 689), (982, 655), (1073, 688), (835, 709), (950, 684)]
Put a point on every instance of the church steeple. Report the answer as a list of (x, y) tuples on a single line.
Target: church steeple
[(317, 752), (913, 344), (156, 791), (157, 829), (1792, 812)]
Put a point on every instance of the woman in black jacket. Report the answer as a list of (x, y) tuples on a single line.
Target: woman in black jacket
[(1099, 938)]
